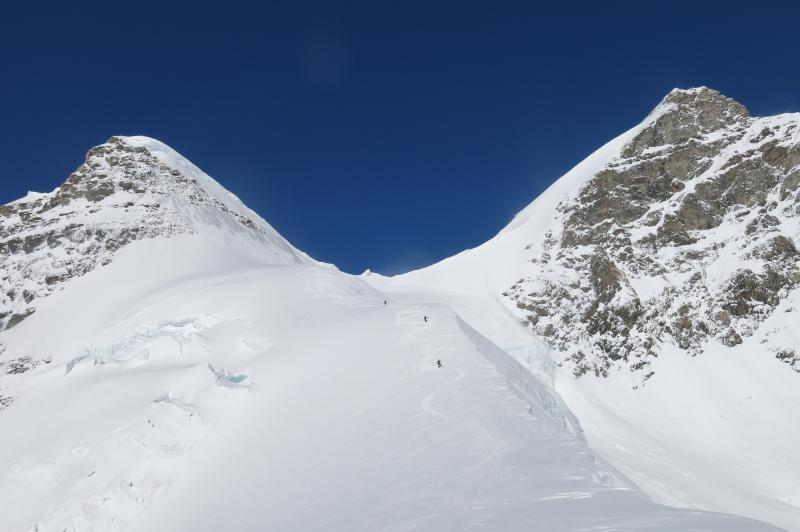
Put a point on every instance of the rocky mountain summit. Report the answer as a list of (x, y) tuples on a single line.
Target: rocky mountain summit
[(687, 237), (128, 189)]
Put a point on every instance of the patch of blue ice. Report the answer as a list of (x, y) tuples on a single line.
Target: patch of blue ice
[(226, 378), (132, 347)]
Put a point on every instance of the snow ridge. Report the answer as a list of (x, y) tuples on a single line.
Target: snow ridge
[(128, 189), (660, 278)]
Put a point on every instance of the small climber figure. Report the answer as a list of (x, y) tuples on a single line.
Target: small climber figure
[(425, 318), (439, 363), (384, 302)]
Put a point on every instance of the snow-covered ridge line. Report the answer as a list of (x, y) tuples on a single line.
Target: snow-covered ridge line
[(172, 159), (128, 189), (645, 205), (663, 272)]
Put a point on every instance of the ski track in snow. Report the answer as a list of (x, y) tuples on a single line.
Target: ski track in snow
[(435, 347)]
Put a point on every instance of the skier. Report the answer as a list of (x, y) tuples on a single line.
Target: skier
[(384, 302), (426, 319), (439, 363)]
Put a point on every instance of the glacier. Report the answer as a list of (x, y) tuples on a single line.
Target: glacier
[(179, 365)]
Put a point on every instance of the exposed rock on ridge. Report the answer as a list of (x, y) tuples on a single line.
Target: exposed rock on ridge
[(121, 193), (689, 236)]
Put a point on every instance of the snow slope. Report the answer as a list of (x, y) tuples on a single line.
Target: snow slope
[(185, 385), (128, 189), (286, 398), (713, 431)]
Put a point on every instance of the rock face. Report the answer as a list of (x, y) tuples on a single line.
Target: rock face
[(123, 192), (689, 236)]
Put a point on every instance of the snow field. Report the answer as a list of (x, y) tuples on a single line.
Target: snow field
[(288, 398)]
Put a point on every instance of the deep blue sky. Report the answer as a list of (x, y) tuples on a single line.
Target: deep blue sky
[(377, 134)]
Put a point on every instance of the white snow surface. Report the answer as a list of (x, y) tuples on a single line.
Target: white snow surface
[(214, 395), (184, 387), (280, 248), (715, 432), (175, 160)]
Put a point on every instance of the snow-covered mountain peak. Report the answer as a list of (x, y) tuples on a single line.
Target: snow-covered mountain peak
[(177, 162), (144, 166), (663, 273), (128, 189), (702, 97), (686, 114), (686, 237), (682, 231)]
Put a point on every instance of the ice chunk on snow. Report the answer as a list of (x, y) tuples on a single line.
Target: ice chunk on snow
[(226, 378)]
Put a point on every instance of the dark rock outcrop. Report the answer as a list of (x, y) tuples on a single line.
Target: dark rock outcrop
[(680, 239)]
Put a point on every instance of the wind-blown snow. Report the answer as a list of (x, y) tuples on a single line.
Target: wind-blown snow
[(175, 160)]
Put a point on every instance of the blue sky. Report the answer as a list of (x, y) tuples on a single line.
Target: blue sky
[(385, 135)]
